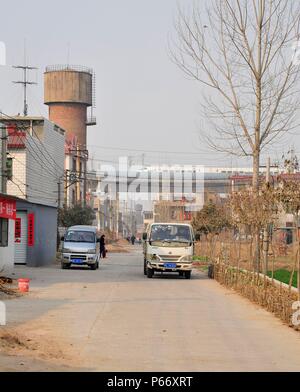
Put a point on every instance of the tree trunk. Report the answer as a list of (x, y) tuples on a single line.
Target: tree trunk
[(255, 185)]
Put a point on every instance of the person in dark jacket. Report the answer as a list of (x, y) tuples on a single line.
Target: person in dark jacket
[(102, 247)]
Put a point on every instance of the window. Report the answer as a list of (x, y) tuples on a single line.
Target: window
[(3, 232), (170, 233), (80, 236)]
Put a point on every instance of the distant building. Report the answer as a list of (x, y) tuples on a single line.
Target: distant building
[(173, 211)]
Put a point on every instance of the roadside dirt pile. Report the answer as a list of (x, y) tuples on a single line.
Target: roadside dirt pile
[(7, 287)]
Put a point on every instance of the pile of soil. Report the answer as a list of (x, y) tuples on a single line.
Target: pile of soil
[(7, 288)]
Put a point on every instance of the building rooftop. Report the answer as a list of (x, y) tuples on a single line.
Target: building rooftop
[(26, 119)]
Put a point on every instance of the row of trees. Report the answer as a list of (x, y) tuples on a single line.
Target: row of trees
[(245, 55), (77, 215), (255, 212)]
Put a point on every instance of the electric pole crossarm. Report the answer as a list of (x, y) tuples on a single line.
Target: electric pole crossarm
[(25, 82)]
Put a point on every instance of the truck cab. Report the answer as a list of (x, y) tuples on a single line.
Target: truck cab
[(169, 247)]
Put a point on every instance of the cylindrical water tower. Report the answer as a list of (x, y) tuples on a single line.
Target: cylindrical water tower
[(69, 91)]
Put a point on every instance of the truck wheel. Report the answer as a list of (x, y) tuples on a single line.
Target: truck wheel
[(65, 266), (188, 274), (181, 273), (145, 267), (150, 273), (94, 266)]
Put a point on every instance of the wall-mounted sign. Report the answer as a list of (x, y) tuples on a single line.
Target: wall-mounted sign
[(18, 231), (30, 218), (7, 208)]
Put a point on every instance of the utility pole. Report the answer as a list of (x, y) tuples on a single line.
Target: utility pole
[(85, 177), (266, 238), (25, 82), (3, 160), (99, 214), (66, 182), (78, 172), (59, 194)]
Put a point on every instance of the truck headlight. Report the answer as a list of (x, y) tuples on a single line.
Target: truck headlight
[(91, 252), (65, 250), (155, 258)]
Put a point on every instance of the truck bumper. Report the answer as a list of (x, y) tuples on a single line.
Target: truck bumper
[(162, 267)]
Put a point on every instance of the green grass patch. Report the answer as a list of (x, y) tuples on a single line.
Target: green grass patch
[(204, 259), (284, 276)]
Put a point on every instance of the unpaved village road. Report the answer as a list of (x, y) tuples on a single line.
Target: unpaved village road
[(115, 319)]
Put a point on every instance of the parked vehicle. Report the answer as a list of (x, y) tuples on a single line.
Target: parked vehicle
[(80, 247), (169, 247)]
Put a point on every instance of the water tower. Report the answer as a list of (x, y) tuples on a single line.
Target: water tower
[(69, 92)]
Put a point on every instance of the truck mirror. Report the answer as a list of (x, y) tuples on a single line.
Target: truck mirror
[(197, 237), (145, 236), (62, 238)]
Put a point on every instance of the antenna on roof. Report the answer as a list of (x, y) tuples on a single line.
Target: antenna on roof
[(25, 82)]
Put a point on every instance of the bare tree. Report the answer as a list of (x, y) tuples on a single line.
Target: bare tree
[(241, 51)]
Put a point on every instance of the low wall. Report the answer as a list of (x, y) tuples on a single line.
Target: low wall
[(273, 295)]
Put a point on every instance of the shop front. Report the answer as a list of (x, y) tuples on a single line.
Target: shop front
[(7, 234)]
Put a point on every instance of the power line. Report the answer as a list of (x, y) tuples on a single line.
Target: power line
[(150, 151), (34, 154), (23, 128), (31, 169), (35, 190)]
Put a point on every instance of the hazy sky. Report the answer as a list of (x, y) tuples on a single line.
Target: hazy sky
[(143, 100)]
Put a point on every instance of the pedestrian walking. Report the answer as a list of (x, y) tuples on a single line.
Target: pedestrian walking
[(102, 247)]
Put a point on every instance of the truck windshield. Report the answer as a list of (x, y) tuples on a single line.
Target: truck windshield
[(174, 234), (80, 236)]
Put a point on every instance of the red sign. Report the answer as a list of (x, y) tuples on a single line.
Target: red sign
[(16, 138), (187, 216), (18, 231), (7, 208), (30, 218)]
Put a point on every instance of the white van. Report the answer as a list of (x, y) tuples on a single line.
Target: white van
[(169, 247), (80, 247)]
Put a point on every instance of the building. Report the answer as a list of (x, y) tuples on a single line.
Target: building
[(172, 211), (36, 147), (69, 93), (148, 218), (7, 233)]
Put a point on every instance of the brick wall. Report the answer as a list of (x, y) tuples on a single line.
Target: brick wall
[(17, 186), (72, 118)]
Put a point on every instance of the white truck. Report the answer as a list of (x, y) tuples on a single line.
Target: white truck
[(169, 247)]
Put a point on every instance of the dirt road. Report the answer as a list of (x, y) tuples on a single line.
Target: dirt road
[(115, 319)]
